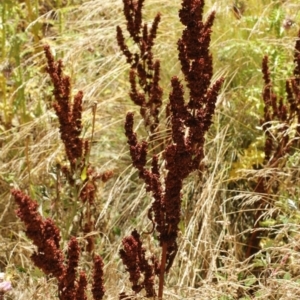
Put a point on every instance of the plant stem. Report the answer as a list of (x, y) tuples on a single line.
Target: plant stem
[(3, 40), (94, 109), (3, 51), (162, 271), (27, 158)]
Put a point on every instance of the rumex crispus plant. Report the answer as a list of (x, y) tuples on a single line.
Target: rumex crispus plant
[(280, 117), (189, 122), (46, 236), (50, 258), (144, 68), (79, 174)]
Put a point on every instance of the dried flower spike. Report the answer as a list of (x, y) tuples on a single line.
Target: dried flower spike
[(144, 72), (189, 123)]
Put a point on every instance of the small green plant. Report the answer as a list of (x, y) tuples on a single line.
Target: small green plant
[(280, 125)]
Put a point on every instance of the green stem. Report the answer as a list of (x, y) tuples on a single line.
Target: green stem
[(5, 108), (3, 40), (3, 51)]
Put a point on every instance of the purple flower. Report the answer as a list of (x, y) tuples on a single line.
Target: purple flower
[(5, 286)]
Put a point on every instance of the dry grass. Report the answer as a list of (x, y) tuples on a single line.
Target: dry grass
[(209, 264)]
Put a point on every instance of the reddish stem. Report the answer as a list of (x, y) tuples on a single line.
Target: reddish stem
[(162, 271)]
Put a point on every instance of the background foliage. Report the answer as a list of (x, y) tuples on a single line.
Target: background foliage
[(217, 214)]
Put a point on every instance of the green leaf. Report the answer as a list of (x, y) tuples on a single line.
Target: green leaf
[(250, 280), (267, 223), (83, 176)]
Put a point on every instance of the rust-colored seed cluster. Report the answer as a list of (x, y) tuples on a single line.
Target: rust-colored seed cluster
[(49, 257), (133, 256), (280, 110), (44, 234), (69, 115), (144, 70), (275, 109), (189, 122), (70, 123), (278, 143), (98, 280)]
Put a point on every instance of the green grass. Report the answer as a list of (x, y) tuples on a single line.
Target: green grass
[(216, 212)]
